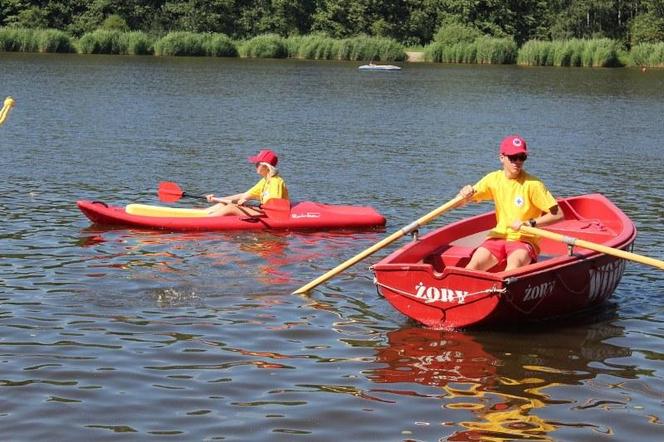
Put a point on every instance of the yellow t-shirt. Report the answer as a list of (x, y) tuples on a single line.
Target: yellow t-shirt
[(522, 198), (266, 189)]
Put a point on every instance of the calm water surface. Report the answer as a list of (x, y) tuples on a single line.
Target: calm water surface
[(120, 334)]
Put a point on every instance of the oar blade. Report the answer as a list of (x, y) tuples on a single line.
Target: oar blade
[(169, 192)]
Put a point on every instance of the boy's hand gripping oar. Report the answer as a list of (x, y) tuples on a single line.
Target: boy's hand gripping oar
[(379, 245)]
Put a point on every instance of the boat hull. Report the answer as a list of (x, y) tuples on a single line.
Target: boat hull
[(379, 67), (303, 216), (427, 281)]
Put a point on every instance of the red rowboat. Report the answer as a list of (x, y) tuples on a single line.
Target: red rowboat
[(426, 279), (304, 215)]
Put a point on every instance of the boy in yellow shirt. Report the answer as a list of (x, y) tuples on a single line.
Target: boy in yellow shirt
[(520, 198)]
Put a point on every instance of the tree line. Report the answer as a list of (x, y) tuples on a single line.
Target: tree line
[(410, 22)]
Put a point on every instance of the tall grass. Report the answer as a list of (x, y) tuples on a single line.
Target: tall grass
[(264, 46), (371, 48), (193, 44), (116, 42), (648, 54), (313, 47), (599, 52), (322, 47), (35, 40), (483, 50)]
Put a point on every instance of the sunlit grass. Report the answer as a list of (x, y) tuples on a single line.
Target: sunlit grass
[(264, 46), (599, 52), (483, 50), (195, 44), (648, 55), (35, 40), (116, 42)]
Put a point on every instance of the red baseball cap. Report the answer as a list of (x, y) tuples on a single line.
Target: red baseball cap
[(265, 156), (513, 145)]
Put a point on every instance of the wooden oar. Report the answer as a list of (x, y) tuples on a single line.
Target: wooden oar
[(594, 246), (6, 107), (379, 245), (277, 208)]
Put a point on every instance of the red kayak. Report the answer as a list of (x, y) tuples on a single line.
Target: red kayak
[(426, 279), (304, 215)]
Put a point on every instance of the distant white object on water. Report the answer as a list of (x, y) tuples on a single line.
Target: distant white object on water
[(379, 67)]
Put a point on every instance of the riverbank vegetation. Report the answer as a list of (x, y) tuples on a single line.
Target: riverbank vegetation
[(530, 32), (599, 52)]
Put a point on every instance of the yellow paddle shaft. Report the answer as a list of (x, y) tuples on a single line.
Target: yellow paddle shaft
[(379, 245), (7, 106), (594, 246)]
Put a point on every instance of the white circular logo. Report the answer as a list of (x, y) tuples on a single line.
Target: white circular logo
[(516, 142), (518, 201)]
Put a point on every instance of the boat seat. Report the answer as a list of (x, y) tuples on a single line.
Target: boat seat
[(589, 230), (452, 256)]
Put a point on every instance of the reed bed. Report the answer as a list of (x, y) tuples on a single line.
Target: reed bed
[(35, 40), (116, 42), (371, 48), (648, 55), (264, 46), (193, 44), (483, 50), (599, 52), (322, 47), (313, 47)]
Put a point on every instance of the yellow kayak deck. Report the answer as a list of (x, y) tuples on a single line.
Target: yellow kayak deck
[(161, 211)]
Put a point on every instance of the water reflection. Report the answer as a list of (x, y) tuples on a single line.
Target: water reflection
[(258, 258), (506, 393)]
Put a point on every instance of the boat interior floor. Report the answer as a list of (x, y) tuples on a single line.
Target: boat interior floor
[(458, 252)]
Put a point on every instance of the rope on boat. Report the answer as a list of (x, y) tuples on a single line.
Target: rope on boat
[(489, 291)]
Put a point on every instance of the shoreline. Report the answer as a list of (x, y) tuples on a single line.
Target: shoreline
[(414, 56)]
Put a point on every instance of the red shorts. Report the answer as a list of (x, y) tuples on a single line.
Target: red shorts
[(501, 248)]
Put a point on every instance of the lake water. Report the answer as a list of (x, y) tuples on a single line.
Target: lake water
[(121, 334)]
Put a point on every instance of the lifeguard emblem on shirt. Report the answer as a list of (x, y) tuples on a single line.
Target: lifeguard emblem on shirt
[(518, 201)]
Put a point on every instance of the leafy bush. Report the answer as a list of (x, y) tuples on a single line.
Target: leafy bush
[(452, 33), (115, 23), (646, 28)]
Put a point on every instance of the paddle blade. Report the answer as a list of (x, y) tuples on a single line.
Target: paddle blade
[(169, 192), (277, 208)]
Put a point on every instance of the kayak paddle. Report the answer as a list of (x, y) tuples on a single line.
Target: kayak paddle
[(170, 192)]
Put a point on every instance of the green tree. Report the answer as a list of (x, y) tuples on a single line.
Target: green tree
[(646, 28)]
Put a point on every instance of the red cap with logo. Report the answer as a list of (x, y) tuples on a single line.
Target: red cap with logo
[(513, 145), (265, 156)]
